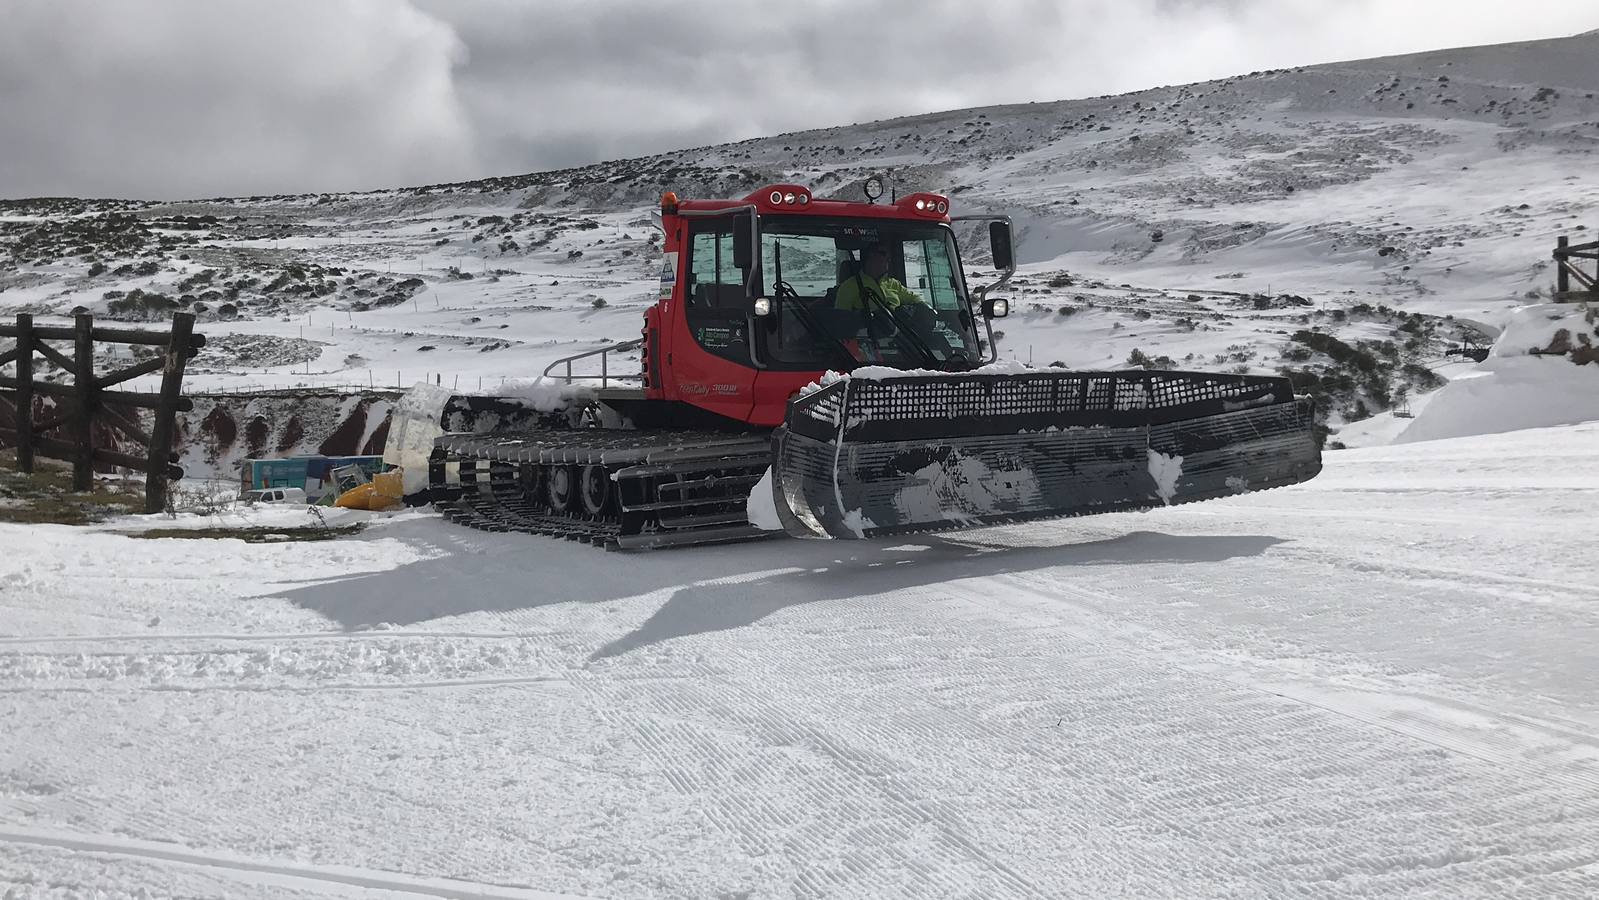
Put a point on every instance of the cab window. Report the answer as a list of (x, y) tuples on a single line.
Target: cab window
[(928, 272), (716, 305), (713, 280)]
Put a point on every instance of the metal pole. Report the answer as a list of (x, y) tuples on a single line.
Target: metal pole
[(25, 392)]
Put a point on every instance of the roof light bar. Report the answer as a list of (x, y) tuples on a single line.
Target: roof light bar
[(788, 195), (925, 204)]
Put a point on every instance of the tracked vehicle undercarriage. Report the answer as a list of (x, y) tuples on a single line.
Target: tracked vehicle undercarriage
[(616, 489)]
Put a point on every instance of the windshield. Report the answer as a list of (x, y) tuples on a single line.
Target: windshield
[(858, 292)]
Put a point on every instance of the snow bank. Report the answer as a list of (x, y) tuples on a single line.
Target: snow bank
[(1516, 388), (885, 373), (287, 516)]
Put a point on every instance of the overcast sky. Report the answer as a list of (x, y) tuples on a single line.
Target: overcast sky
[(198, 98)]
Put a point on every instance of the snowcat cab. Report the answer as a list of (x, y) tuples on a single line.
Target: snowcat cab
[(873, 417)]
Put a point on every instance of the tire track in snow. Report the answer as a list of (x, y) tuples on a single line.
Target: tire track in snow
[(842, 779), (1456, 576), (1505, 750), (291, 667), (1422, 722), (284, 637), (287, 874), (685, 732), (1257, 734), (324, 688)]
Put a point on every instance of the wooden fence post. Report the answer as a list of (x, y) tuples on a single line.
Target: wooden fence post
[(84, 395), (161, 436), (1562, 279), (25, 392)]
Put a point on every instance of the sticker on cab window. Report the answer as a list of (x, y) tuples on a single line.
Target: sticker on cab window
[(668, 275)]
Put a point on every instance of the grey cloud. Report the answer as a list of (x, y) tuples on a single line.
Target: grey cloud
[(192, 97)]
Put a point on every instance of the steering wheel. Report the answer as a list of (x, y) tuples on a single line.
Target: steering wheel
[(920, 316), (879, 323), (784, 289)]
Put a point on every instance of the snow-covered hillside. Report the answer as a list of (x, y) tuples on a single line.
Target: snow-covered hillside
[(1400, 205)]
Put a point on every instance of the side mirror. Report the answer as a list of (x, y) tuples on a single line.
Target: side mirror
[(999, 244), (762, 307), (744, 241), (996, 307)]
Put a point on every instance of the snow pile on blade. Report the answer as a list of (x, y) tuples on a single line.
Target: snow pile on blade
[(885, 454), (762, 505)]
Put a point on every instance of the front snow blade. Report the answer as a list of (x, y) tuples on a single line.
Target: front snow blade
[(864, 457)]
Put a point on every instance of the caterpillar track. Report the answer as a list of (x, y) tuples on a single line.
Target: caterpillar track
[(611, 488)]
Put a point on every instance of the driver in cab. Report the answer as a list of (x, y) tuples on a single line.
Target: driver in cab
[(873, 279)]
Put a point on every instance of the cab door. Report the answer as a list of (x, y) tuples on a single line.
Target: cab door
[(710, 365)]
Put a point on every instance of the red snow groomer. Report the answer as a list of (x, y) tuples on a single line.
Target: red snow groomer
[(838, 345)]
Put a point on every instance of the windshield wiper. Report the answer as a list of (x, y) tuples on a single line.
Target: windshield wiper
[(816, 328), (800, 312)]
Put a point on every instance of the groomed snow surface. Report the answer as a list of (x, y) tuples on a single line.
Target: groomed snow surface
[(1377, 684)]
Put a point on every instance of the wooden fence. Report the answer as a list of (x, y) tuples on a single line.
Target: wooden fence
[(87, 401), (1568, 260)]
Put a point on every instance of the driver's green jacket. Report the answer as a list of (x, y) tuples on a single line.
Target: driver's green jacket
[(889, 290)]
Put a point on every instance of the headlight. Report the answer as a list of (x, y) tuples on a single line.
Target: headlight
[(763, 306)]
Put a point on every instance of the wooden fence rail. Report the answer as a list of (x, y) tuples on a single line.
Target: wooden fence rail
[(79, 405), (1569, 269)]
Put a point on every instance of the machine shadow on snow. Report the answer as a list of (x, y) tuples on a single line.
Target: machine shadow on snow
[(506, 573), (706, 607)]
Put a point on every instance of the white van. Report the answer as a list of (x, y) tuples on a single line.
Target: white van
[(275, 495)]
